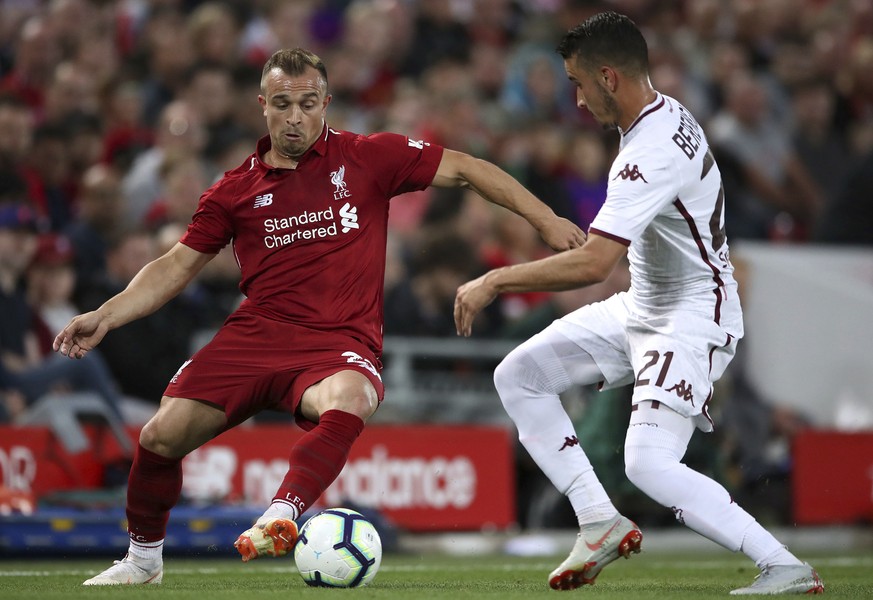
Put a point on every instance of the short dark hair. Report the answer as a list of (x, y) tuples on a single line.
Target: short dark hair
[(607, 38), (293, 62)]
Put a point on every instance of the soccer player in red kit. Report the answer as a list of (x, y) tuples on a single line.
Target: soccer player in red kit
[(307, 216)]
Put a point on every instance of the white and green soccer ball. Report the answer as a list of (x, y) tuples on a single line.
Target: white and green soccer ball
[(338, 547)]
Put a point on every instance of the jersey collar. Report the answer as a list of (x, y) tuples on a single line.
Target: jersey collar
[(654, 105), (264, 144)]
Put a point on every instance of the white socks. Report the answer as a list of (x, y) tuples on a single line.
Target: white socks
[(279, 510), (146, 551), (655, 444), (529, 388)]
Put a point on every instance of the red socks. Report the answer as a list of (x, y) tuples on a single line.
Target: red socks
[(155, 482), (318, 458), (153, 488)]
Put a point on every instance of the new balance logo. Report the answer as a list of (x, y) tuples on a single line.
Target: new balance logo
[(630, 173), (416, 144), (569, 442), (349, 215), (684, 391), (265, 200)]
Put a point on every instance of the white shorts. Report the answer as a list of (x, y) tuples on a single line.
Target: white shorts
[(673, 358)]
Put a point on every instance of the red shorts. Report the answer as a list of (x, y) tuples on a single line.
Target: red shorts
[(253, 364)]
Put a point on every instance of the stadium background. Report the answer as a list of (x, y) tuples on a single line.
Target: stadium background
[(114, 116)]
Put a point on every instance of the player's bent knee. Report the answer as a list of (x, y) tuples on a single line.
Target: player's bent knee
[(361, 405), (155, 439), (504, 378), (520, 370), (347, 391)]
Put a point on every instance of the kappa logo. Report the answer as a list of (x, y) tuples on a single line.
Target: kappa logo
[(349, 216), (630, 173), (338, 179), (263, 200), (684, 391), (569, 442)]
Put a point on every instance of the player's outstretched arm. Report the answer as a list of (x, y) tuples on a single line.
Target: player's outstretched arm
[(153, 286), (579, 267), (496, 185)]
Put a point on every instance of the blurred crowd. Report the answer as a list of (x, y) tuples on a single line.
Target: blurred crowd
[(116, 115)]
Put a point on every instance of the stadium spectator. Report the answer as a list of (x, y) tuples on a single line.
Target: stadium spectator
[(27, 371), (781, 200), (180, 131), (98, 217), (849, 218), (16, 131), (144, 356)]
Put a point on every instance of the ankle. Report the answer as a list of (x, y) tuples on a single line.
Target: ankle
[(146, 552)]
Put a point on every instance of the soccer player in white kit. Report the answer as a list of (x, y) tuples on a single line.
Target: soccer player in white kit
[(671, 335)]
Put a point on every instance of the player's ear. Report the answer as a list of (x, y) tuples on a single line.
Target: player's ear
[(263, 102), (609, 78), (327, 100)]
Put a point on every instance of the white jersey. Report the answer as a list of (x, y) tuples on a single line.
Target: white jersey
[(665, 201)]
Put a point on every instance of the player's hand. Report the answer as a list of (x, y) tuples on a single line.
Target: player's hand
[(562, 234), (471, 298), (81, 335)]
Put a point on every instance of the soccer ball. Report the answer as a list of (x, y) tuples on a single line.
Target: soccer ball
[(338, 547)]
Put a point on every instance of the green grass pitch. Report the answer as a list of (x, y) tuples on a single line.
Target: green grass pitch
[(647, 575)]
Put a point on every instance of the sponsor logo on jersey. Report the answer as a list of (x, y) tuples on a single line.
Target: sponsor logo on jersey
[(569, 442), (356, 359), (263, 200), (338, 179), (416, 144), (630, 173), (349, 216)]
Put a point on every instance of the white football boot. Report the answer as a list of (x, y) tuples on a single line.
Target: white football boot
[(129, 571), (597, 545), (783, 579)]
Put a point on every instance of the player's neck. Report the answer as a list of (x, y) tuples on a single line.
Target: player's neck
[(278, 161), (638, 97)]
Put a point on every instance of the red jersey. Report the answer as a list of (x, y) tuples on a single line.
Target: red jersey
[(310, 241)]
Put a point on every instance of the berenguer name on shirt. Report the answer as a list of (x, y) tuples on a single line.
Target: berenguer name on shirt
[(305, 226)]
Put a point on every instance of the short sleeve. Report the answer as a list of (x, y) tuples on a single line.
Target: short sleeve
[(210, 229), (641, 184), (401, 164)]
